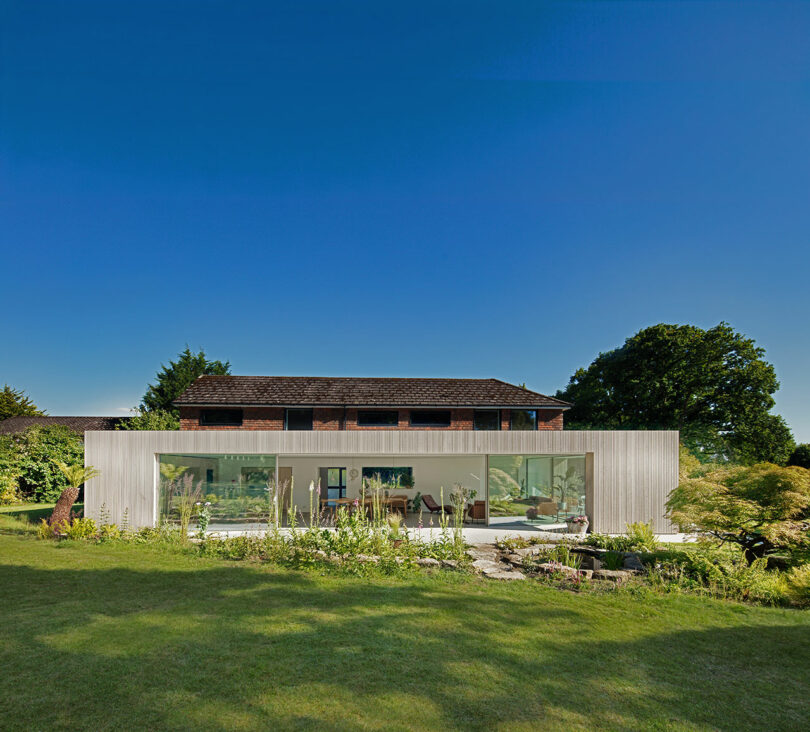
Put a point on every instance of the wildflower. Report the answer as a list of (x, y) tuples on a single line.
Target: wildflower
[(311, 486)]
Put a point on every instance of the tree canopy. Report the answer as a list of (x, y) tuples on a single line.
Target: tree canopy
[(14, 403), (761, 508), (158, 419), (801, 456), (174, 379), (714, 386)]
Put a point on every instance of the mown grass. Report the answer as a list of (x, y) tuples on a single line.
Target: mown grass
[(114, 636), (33, 513)]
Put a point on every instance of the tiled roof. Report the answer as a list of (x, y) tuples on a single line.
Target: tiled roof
[(14, 425), (360, 392)]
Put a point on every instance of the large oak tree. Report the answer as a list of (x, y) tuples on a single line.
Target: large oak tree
[(713, 385)]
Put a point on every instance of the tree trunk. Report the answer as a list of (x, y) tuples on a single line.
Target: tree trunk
[(61, 511)]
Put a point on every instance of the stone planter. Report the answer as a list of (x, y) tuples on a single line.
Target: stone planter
[(577, 528)]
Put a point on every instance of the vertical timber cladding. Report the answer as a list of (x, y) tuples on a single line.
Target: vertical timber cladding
[(632, 472)]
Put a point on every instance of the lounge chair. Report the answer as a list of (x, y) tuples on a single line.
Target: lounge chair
[(434, 507)]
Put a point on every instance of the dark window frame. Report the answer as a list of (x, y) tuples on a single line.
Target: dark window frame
[(496, 412), (224, 417), (299, 410), (363, 414), (421, 423), (519, 429)]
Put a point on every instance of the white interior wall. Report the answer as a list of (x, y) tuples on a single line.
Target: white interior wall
[(430, 473)]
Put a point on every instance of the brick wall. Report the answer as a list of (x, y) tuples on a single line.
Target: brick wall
[(253, 418), (460, 419), (549, 419), (331, 418), (327, 418)]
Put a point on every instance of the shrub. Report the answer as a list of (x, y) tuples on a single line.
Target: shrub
[(8, 487), (761, 508), (641, 536), (33, 454), (612, 560), (798, 585), (45, 530), (611, 543), (79, 528), (720, 572), (109, 532)]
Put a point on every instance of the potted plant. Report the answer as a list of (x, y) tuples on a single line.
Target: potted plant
[(395, 529), (577, 524)]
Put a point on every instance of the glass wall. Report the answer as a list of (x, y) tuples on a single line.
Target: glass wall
[(236, 486), (536, 489)]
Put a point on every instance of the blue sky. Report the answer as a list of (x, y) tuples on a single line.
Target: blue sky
[(379, 188)]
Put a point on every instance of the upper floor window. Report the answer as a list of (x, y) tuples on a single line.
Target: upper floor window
[(298, 419), (487, 419), (430, 418), (221, 417), (377, 418), (524, 419)]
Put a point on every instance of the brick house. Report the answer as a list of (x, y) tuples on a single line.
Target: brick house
[(342, 403), (500, 444)]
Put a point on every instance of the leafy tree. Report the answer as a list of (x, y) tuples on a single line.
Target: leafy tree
[(14, 403), (75, 476), (155, 420), (9, 470), (713, 385), (174, 379), (761, 508), (766, 439), (800, 456), (33, 453)]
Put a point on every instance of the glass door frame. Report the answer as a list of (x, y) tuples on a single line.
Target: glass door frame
[(340, 487)]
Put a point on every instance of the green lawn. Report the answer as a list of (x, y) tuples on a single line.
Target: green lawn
[(33, 512), (125, 637)]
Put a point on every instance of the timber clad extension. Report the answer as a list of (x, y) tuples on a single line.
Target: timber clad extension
[(335, 404)]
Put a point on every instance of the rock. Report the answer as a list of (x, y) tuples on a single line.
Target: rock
[(590, 551), (557, 568), (632, 561), (614, 575), (482, 565), (515, 559), (483, 551), (534, 549), (367, 559), (428, 562), (506, 575), (450, 563)]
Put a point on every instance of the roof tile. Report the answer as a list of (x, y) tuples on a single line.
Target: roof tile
[(360, 392)]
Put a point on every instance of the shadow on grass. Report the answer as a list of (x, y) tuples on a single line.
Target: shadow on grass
[(225, 647)]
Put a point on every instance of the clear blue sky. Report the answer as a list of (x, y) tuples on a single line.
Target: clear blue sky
[(378, 188)]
